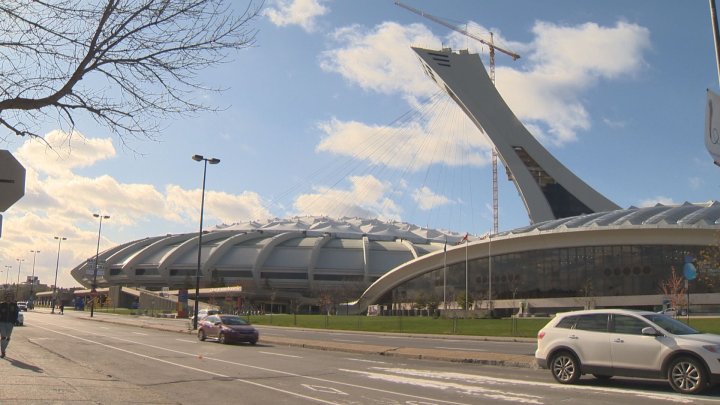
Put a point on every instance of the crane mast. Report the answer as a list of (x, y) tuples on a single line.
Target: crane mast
[(492, 47)]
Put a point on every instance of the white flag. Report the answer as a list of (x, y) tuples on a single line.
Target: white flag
[(712, 126)]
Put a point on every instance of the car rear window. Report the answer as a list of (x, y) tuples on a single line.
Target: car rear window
[(592, 322), (567, 323)]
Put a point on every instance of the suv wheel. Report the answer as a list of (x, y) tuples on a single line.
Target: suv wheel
[(565, 367), (222, 339), (687, 375)]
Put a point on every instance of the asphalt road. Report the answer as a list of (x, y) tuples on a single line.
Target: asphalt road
[(171, 367)]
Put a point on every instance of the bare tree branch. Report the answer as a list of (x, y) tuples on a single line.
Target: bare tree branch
[(129, 64)]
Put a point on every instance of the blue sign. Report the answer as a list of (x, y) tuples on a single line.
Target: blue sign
[(689, 270)]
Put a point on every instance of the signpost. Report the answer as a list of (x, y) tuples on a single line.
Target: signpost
[(12, 181)]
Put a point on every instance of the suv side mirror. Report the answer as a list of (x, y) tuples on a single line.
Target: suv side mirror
[(650, 331)]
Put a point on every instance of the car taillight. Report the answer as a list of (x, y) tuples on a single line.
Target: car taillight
[(541, 335)]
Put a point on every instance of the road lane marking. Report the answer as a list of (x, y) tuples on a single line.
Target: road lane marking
[(497, 394), (460, 348), (140, 333), (144, 356), (280, 354), (366, 361), (251, 366), (327, 390), (474, 380), (348, 340), (187, 340)]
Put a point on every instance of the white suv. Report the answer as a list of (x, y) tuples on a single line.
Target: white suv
[(617, 342)]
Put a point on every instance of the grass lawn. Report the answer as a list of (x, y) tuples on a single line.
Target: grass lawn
[(403, 324), (524, 327)]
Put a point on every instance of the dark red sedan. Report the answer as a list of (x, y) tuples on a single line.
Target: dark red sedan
[(227, 329)]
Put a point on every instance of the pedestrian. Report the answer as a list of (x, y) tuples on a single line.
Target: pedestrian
[(8, 319), (62, 307)]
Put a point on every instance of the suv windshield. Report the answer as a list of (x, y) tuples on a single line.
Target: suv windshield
[(671, 325)]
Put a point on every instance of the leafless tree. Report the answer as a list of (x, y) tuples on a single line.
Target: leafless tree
[(128, 64), (674, 289)]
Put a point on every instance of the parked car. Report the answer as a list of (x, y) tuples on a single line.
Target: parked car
[(673, 312), (202, 313), (617, 342), (227, 328), (22, 305)]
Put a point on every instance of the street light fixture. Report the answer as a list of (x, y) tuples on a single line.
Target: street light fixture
[(57, 264), (93, 292), (17, 286), (32, 280), (212, 161)]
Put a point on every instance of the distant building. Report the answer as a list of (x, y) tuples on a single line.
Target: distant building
[(300, 258)]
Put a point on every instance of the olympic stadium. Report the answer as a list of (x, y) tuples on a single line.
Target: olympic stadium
[(580, 249)]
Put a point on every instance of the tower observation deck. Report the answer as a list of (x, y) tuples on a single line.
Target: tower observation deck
[(548, 189)]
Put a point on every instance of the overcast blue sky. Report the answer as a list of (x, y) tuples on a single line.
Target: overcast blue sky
[(329, 115)]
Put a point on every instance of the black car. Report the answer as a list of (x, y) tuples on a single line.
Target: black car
[(227, 328)]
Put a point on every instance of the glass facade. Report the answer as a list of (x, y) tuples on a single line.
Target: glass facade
[(558, 272)]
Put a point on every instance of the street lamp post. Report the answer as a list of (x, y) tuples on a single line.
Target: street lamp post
[(7, 273), (212, 161), (93, 292), (57, 265), (32, 280), (17, 286)]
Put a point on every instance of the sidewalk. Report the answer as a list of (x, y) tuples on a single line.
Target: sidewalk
[(34, 375), (485, 358)]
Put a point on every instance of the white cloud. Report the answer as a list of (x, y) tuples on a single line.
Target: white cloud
[(62, 152), (544, 88), (296, 12), (366, 199), (564, 63), (614, 124), (427, 199), (589, 51), (219, 206), (412, 147), (650, 202), (60, 202), (381, 59)]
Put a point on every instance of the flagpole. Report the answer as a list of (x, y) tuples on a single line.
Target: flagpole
[(445, 278), (490, 273), (467, 297)]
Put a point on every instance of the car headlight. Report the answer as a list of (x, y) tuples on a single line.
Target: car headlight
[(712, 348)]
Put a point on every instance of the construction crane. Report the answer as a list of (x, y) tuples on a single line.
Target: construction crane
[(492, 47)]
